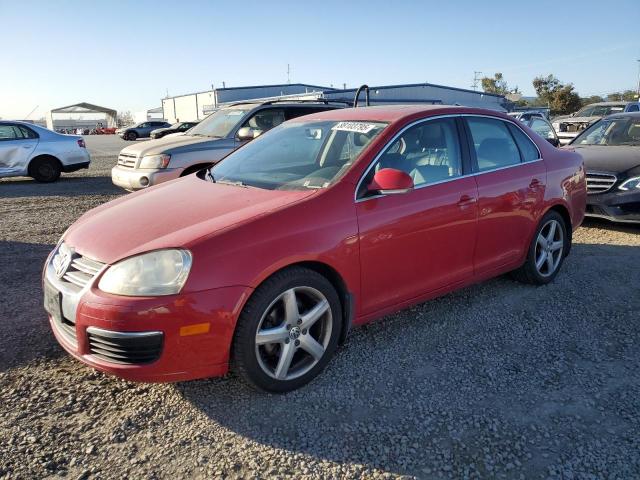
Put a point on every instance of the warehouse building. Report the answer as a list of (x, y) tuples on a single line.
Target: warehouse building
[(195, 106)]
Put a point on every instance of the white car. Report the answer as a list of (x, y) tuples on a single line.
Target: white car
[(34, 151)]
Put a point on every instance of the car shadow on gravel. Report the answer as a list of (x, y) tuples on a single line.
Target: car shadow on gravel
[(25, 335), (481, 379), (64, 187), (592, 222)]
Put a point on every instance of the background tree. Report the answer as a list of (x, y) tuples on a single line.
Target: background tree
[(626, 96), (561, 98), (497, 84), (592, 99), (125, 118)]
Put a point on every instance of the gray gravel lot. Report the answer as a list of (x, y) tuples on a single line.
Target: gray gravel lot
[(499, 380)]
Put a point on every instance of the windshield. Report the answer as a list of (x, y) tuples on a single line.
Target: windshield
[(297, 156), (613, 131), (221, 123), (599, 110)]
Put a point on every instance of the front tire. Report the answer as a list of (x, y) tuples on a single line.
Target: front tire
[(45, 169), (288, 331), (132, 136), (546, 252)]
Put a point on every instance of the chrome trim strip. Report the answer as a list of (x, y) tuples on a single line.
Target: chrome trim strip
[(114, 334), (424, 120)]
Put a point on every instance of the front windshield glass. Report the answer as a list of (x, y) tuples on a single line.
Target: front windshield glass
[(599, 110), (221, 123), (613, 131), (298, 155)]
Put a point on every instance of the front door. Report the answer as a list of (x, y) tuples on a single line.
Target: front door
[(423, 240)]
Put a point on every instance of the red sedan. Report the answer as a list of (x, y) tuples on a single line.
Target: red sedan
[(263, 263)]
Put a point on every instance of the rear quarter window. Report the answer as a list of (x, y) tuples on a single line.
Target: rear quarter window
[(528, 150)]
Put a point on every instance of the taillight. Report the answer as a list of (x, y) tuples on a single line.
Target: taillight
[(81, 143)]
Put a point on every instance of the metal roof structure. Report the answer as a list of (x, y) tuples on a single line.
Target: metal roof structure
[(84, 107)]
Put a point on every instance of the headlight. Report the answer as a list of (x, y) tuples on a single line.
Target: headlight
[(631, 184), (155, 161), (162, 272)]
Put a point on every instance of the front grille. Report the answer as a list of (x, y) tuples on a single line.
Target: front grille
[(127, 160), (127, 348), (75, 269), (600, 182)]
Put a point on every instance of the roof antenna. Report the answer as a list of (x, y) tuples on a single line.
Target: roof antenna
[(366, 95)]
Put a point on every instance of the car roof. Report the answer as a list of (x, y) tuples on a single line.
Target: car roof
[(614, 116), (606, 104), (395, 113)]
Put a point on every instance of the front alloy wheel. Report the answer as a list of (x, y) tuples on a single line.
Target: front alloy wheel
[(287, 331)]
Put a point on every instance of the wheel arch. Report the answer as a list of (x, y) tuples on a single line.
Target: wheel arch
[(347, 301), (41, 156), (563, 211)]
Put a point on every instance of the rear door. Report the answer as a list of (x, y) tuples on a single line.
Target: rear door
[(423, 240), (511, 179), (17, 144)]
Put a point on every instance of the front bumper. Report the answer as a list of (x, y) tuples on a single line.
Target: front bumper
[(615, 205), (135, 179), (147, 339)]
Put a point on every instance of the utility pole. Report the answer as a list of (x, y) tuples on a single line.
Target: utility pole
[(476, 77), (638, 80), (27, 117), (288, 74)]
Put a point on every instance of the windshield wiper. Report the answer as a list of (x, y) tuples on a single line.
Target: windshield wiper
[(236, 183)]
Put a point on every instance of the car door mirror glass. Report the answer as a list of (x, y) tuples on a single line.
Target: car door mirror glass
[(390, 181)]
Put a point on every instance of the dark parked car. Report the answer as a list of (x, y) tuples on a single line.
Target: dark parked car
[(141, 130), (175, 128), (611, 152)]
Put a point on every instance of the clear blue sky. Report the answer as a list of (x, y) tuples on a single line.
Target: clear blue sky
[(126, 55)]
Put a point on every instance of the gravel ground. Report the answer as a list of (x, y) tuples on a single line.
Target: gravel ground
[(499, 380)]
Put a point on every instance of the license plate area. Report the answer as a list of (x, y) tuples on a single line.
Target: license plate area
[(53, 302)]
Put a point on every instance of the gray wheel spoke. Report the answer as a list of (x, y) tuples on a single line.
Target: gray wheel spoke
[(309, 318), (541, 240), (541, 259), (272, 335), (552, 231), (550, 263), (557, 245), (285, 360), (290, 306), (310, 345)]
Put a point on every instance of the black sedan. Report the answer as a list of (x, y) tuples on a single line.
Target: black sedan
[(175, 128), (611, 152)]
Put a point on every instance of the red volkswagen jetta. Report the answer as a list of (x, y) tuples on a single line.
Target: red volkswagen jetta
[(263, 263)]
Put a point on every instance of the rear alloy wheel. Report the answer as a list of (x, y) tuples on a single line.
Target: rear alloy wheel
[(546, 252), (288, 331), (132, 136), (45, 170)]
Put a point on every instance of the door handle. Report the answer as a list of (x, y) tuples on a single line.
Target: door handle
[(535, 183), (466, 200)]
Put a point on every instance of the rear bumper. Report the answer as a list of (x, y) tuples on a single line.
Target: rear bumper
[(616, 206), (75, 166), (134, 179)]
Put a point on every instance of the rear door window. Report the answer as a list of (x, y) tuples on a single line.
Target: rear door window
[(494, 144)]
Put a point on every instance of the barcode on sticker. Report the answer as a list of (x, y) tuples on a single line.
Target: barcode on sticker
[(359, 127)]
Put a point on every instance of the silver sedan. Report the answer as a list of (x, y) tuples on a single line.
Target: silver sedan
[(34, 151)]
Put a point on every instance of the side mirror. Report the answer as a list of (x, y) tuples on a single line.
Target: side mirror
[(244, 134), (390, 181), (553, 141)]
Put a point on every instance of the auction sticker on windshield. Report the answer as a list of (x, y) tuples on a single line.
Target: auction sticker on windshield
[(359, 127)]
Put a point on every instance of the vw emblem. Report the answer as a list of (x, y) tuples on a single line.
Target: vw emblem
[(294, 333), (61, 262)]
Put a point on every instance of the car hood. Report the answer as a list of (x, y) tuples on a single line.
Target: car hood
[(166, 144), (172, 214), (615, 159), (576, 119)]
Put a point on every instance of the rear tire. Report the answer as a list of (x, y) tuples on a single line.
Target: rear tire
[(132, 136), (45, 169), (546, 252), (287, 331)]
